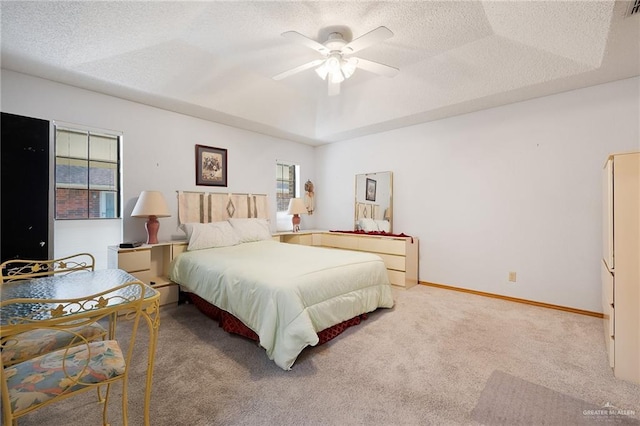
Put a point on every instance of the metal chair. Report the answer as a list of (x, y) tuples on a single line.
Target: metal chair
[(84, 364), (24, 269), (40, 342)]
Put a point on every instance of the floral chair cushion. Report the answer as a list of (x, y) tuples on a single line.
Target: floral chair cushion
[(45, 377), (30, 344)]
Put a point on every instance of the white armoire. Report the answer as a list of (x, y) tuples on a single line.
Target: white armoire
[(621, 264)]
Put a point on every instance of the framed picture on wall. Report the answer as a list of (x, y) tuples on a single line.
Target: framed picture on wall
[(371, 190), (211, 166)]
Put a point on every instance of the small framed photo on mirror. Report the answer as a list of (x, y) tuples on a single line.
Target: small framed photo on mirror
[(371, 190)]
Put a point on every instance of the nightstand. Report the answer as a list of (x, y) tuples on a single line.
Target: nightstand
[(150, 264), (304, 237)]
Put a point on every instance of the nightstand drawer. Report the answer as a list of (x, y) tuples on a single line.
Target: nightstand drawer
[(134, 260), (303, 239), (144, 276), (168, 293)]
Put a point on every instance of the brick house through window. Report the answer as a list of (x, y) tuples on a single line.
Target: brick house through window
[(87, 174)]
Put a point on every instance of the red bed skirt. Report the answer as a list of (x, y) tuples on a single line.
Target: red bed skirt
[(232, 324)]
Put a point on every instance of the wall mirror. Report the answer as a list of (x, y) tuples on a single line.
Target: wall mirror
[(374, 202)]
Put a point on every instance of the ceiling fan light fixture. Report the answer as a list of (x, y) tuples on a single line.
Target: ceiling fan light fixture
[(349, 67), (322, 71), (333, 63), (334, 67), (336, 77)]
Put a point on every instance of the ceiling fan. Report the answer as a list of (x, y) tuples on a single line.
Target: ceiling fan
[(337, 63)]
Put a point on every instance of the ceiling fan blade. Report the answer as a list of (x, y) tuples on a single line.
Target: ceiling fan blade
[(377, 68), (368, 39), (298, 69), (306, 41), (334, 88)]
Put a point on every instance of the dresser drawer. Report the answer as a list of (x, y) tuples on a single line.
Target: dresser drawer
[(393, 262), (382, 245), (397, 277), (340, 241), (134, 260)]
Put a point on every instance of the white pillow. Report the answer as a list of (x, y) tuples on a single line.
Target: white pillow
[(188, 228), (208, 235), (368, 225), (251, 229), (383, 225)]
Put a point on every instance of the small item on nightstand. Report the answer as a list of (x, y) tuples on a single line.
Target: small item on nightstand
[(133, 244), (296, 208)]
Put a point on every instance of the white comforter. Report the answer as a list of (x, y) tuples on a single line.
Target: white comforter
[(285, 293)]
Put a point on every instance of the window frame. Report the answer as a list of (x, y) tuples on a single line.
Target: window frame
[(89, 187), (295, 183)]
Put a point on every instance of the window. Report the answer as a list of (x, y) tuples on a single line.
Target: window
[(286, 184), (87, 174)]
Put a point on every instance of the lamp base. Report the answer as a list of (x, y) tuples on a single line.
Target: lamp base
[(152, 225), (295, 220)]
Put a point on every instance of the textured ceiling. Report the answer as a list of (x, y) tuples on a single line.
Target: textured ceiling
[(215, 59)]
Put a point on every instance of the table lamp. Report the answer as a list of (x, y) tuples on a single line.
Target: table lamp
[(296, 208), (151, 204)]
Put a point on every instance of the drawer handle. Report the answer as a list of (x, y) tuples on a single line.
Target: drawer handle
[(611, 305)]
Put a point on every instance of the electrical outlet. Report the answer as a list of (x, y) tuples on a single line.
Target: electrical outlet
[(512, 277)]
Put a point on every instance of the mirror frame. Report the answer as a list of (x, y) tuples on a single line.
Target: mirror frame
[(372, 182)]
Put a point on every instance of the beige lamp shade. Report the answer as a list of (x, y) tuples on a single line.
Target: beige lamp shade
[(296, 206), (151, 203)]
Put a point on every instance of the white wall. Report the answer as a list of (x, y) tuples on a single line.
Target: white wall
[(158, 153), (75, 236), (515, 188)]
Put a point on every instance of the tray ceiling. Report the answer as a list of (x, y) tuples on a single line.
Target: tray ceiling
[(215, 60)]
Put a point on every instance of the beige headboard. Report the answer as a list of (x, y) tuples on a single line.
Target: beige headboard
[(367, 211), (205, 207)]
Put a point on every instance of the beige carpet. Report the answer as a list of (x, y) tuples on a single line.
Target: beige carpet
[(427, 361), (508, 400)]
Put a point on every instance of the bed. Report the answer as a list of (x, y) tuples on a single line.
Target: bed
[(286, 296)]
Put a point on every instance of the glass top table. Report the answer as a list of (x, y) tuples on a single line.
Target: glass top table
[(70, 286)]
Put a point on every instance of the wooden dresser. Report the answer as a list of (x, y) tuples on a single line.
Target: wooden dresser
[(400, 254)]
